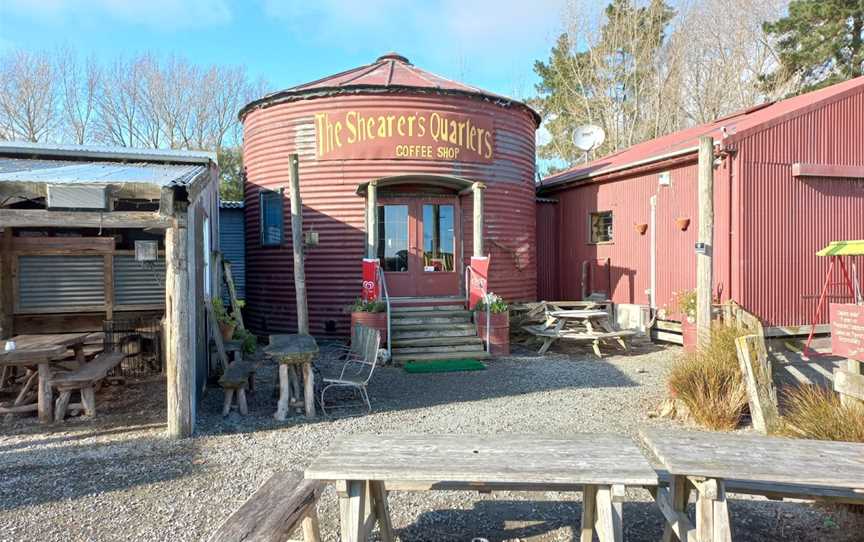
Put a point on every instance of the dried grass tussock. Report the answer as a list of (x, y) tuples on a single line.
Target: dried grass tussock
[(817, 413), (710, 384)]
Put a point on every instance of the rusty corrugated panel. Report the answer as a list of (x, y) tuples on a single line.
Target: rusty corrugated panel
[(785, 220), (332, 208)]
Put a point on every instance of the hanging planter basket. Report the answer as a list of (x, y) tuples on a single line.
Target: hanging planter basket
[(682, 223), (640, 228)]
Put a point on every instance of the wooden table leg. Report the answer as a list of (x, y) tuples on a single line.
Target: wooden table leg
[(45, 399), (589, 512), (32, 377), (382, 511), (712, 513), (79, 354), (679, 496), (309, 389), (284, 394), (352, 509), (608, 522), (311, 527)]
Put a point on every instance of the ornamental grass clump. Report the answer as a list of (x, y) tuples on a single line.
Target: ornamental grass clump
[(817, 413), (709, 382)]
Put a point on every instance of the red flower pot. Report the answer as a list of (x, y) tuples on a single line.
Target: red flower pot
[(682, 223), (499, 331), (374, 320), (688, 332), (640, 228)]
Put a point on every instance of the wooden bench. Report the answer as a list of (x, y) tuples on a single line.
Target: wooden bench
[(84, 379), (620, 336), (236, 378), (285, 502)]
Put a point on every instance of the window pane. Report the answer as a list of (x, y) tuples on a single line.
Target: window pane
[(601, 227), (271, 218), (438, 238), (393, 237)]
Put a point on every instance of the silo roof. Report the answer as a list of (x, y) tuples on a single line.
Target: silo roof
[(390, 72)]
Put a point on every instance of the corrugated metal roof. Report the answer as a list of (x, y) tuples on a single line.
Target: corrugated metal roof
[(389, 72), (95, 152), (69, 172), (725, 130)]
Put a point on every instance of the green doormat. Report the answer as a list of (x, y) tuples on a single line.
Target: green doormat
[(443, 366)]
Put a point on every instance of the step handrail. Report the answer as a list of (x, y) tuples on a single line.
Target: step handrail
[(468, 272), (387, 304)]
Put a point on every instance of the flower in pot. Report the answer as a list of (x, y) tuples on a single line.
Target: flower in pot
[(498, 330), (683, 223), (371, 314), (685, 303), (227, 323)]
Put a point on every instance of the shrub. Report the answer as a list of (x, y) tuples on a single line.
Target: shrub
[(497, 305), (361, 305), (249, 342), (709, 382), (816, 412)]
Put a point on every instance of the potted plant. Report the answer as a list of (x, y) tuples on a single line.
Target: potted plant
[(372, 314), (499, 323), (686, 305), (227, 323)]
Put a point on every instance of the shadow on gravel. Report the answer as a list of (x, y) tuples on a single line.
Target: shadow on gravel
[(75, 471), (503, 520)]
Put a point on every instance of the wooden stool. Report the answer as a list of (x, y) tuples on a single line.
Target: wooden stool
[(235, 380)]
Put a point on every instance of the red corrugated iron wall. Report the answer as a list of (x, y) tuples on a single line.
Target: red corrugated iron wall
[(629, 255), (332, 208), (785, 219), (548, 250)]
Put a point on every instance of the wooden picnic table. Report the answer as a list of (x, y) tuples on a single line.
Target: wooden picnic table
[(292, 351), (40, 351), (365, 467), (578, 324), (712, 463)]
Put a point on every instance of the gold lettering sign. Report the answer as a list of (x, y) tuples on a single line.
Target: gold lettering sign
[(406, 134)]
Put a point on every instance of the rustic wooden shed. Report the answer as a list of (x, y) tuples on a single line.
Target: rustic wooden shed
[(72, 219)]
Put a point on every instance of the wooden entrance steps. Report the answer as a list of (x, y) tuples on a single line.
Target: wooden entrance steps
[(434, 328)]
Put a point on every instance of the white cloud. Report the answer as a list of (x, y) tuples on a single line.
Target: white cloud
[(160, 14)]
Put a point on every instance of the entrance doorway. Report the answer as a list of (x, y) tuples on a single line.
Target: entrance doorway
[(418, 243)]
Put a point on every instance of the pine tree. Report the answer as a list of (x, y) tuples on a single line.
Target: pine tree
[(819, 42)]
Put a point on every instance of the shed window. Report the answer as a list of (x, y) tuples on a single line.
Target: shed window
[(271, 217), (601, 227)]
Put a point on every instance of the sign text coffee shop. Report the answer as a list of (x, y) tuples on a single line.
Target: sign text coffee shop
[(399, 167)]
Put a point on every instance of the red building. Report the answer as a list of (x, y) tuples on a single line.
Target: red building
[(789, 178), (416, 149)]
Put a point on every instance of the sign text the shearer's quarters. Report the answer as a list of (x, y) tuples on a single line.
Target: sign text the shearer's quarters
[(401, 133)]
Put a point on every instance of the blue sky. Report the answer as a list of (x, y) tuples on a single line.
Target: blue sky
[(488, 43)]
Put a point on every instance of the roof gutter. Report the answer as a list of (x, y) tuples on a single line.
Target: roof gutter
[(601, 173)]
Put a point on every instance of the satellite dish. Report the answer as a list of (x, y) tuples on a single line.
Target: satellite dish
[(588, 137)]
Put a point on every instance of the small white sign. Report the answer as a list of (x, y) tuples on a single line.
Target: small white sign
[(429, 268)]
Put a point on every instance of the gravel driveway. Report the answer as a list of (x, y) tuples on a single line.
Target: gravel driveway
[(117, 478)]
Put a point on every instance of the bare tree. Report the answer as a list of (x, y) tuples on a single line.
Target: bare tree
[(28, 96), (79, 86)]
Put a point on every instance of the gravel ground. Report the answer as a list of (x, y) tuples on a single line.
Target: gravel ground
[(117, 478)]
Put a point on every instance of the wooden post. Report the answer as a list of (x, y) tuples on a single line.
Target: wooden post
[(297, 247), (478, 189), (180, 339), (372, 220), (704, 262), (6, 290)]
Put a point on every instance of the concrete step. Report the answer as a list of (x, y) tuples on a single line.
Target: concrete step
[(429, 308), (435, 341), (441, 355), (461, 313)]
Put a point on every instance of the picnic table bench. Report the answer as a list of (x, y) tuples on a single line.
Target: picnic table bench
[(589, 325), (713, 463), (272, 513), (237, 378), (365, 467), (84, 379)]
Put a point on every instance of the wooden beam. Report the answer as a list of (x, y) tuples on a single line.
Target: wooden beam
[(180, 336), (827, 170), (6, 288), (297, 246), (761, 394), (37, 218), (704, 261)]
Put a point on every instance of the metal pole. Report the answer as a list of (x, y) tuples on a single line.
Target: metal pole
[(372, 220)]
